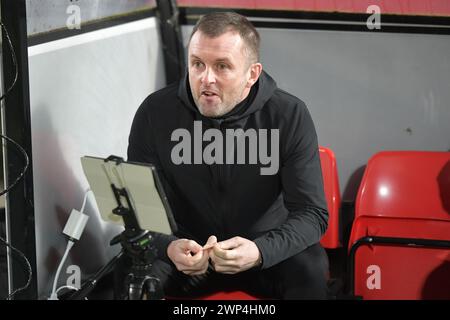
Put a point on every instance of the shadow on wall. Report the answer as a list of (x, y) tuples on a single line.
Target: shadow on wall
[(353, 183), (57, 191), (443, 180)]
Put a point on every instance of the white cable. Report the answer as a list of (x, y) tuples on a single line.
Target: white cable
[(53, 295), (85, 199), (66, 287), (69, 287), (73, 229)]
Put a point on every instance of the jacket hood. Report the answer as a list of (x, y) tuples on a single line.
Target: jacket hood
[(265, 87)]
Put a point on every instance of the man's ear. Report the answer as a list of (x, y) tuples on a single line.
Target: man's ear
[(255, 71)]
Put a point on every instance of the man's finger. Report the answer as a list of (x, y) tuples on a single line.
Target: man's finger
[(193, 263), (230, 243), (224, 262), (192, 246), (208, 246), (224, 254)]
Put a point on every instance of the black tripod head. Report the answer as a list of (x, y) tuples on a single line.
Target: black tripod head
[(139, 283)]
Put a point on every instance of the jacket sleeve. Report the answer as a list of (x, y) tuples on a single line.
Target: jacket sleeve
[(142, 149), (303, 194)]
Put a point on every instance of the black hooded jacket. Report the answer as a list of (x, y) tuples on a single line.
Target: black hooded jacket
[(283, 213)]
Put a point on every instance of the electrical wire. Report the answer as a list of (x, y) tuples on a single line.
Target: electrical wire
[(22, 173), (53, 295), (67, 287), (30, 273), (14, 59), (70, 288), (84, 200), (16, 75), (25, 168)]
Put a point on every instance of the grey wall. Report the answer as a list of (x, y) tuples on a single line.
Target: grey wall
[(47, 15), (366, 92), (84, 92)]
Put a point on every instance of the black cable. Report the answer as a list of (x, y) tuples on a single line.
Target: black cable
[(16, 73), (22, 174), (14, 60), (25, 168), (30, 272)]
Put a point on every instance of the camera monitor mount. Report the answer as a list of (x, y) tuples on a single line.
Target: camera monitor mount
[(130, 194)]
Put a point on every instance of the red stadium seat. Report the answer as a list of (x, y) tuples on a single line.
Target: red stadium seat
[(331, 239), (400, 240), (233, 295)]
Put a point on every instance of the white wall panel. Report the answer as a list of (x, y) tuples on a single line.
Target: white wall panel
[(84, 92)]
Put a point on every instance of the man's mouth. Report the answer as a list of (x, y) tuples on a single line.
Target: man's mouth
[(208, 93)]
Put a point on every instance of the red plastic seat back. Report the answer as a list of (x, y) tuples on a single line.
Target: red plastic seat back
[(408, 184), (403, 194), (401, 272), (330, 239)]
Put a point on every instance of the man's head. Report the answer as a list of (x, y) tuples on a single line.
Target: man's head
[(223, 60)]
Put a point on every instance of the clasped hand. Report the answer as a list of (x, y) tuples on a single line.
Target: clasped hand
[(230, 256)]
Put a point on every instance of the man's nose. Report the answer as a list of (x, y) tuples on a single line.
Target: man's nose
[(208, 76)]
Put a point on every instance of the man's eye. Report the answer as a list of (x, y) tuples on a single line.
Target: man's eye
[(222, 66), (197, 64)]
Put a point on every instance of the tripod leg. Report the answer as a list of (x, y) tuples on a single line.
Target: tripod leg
[(152, 289), (135, 291), (133, 287)]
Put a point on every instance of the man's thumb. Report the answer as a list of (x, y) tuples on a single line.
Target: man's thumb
[(211, 241)]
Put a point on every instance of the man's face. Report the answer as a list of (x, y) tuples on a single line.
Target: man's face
[(220, 73)]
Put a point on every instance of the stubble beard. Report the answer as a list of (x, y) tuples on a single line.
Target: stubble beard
[(220, 109)]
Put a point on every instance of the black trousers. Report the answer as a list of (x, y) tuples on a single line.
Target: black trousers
[(303, 276)]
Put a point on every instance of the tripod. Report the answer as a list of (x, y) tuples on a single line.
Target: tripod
[(137, 246), (139, 283)]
